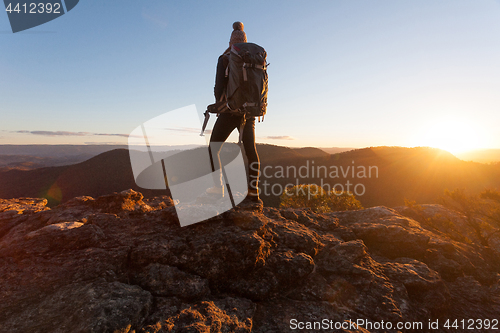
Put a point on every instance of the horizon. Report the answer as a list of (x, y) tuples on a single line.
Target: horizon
[(263, 143), (464, 155), (384, 74)]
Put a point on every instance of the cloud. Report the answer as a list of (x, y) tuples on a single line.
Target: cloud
[(114, 134), (280, 137), (56, 133), (66, 133)]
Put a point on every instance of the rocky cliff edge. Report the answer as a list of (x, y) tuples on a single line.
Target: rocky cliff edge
[(119, 263)]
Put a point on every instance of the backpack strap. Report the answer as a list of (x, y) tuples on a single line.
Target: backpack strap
[(249, 65), (226, 57), (222, 97)]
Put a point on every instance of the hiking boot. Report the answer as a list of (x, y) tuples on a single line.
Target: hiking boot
[(252, 201)]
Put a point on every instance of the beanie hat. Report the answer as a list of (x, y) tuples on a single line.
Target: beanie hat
[(238, 35)]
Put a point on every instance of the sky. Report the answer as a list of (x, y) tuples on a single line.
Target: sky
[(345, 73)]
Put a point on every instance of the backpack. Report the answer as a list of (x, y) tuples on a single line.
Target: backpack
[(247, 79), (247, 84)]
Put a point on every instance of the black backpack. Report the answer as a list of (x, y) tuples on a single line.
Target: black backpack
[(247, 85), (247, 79)]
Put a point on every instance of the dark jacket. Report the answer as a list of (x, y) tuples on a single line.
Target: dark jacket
[(220, 77)]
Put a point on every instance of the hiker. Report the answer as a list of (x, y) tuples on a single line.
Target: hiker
[(227, 122)]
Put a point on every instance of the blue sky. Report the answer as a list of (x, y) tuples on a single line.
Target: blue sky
[(343, 73)]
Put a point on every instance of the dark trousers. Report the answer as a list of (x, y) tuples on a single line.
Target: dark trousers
[(223, 127)]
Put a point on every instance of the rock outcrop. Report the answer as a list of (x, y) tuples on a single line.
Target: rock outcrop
[(120, 263)]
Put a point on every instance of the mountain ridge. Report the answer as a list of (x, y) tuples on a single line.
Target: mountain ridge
[(420, 174)]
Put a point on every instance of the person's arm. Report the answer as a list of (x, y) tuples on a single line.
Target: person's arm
[(220, 78)]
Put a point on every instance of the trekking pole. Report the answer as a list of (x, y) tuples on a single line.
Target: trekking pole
[(205, 122)]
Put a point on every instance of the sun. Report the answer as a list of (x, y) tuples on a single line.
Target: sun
[(451, 134)]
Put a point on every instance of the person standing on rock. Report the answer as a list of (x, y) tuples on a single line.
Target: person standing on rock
[(227, 122)]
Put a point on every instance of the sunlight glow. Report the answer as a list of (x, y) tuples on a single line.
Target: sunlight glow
[(451, 134)]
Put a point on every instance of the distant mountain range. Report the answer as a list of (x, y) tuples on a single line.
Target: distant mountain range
[(102, 174), (383, 175), (378, 175), (105, 173), (29, 157), (481, 155), (57, 150)]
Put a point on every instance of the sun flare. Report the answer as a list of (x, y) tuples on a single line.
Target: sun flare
[(451, 134)]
